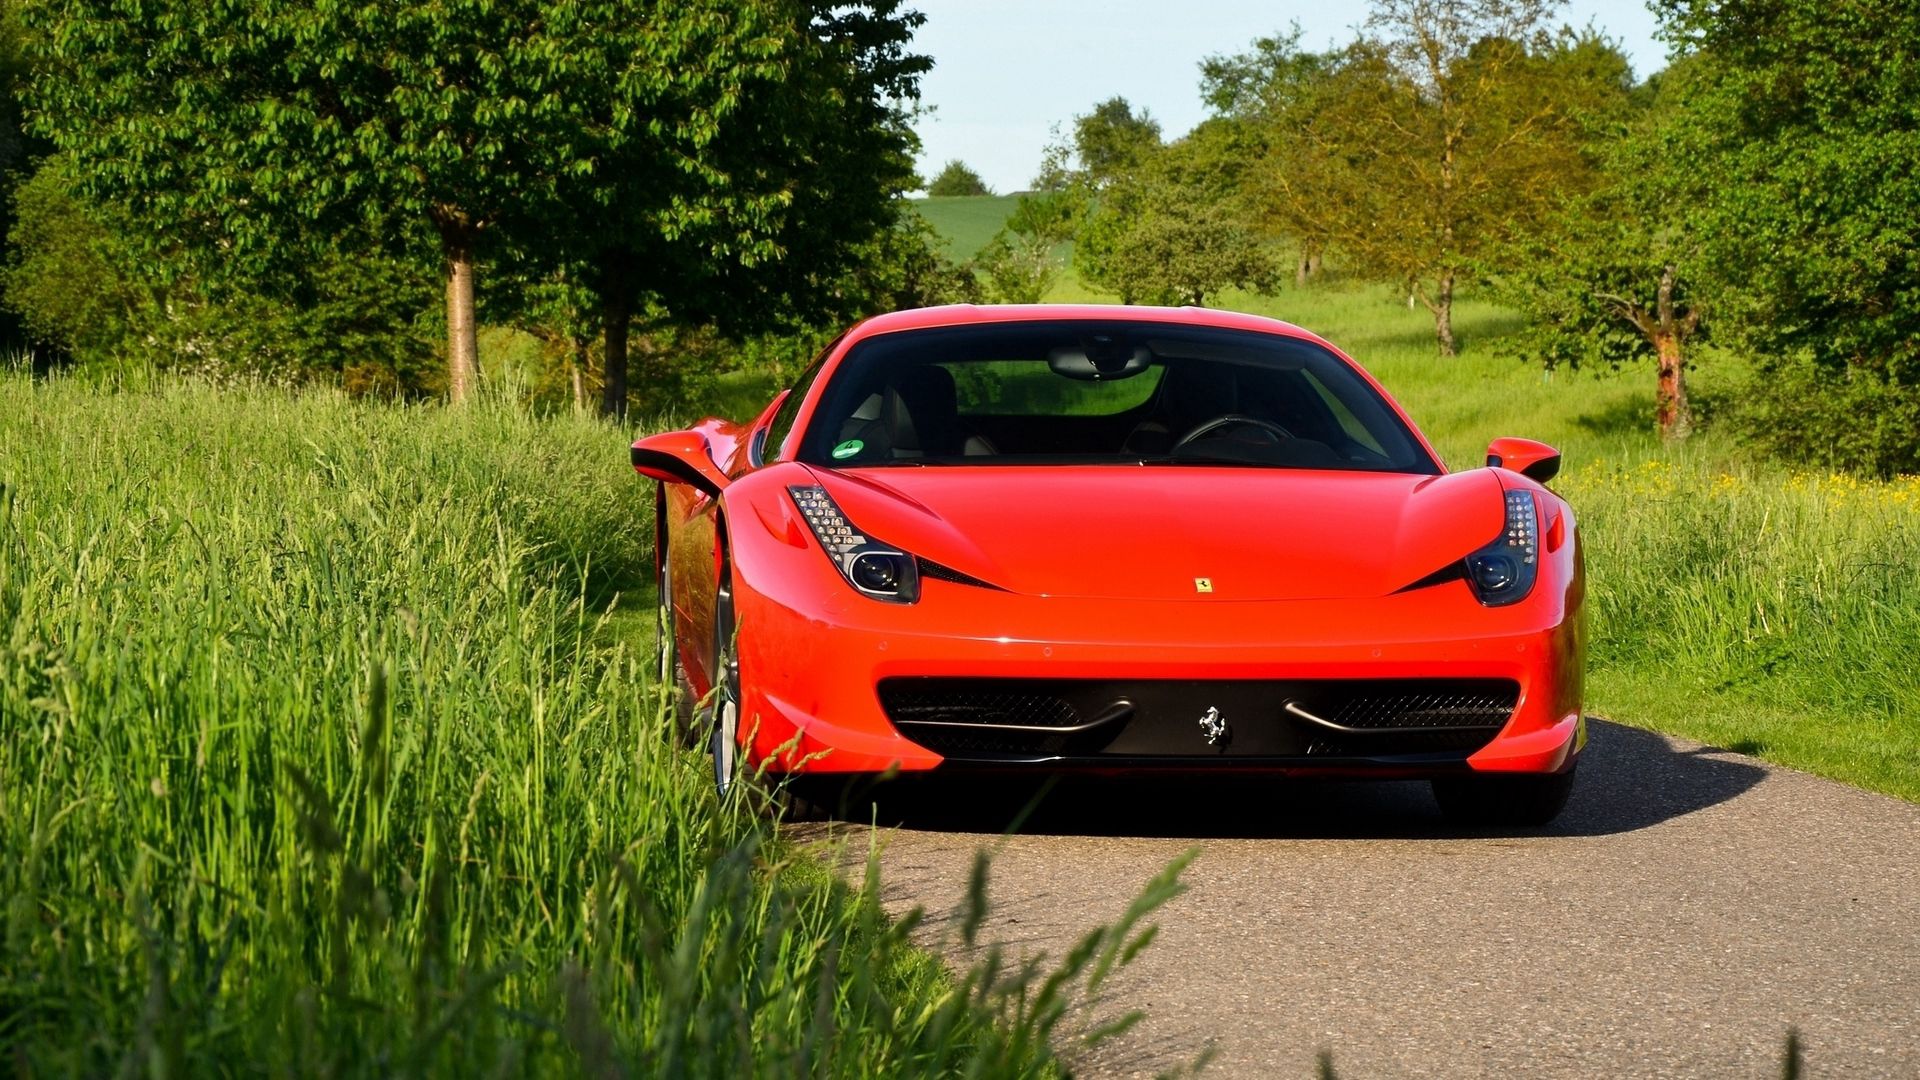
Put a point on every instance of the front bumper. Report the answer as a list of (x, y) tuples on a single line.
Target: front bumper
[(813, 681)]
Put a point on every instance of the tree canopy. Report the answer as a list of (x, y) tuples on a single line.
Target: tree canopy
[(1113, 140), (957, 179), (1447, 129), (1616, 275), (253, 136), (1806, 116)]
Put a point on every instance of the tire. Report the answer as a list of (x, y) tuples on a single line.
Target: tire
[(681, 714), (723, 741), (1518, 799)]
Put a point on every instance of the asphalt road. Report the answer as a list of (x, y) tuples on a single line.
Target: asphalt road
[(1689, 907)]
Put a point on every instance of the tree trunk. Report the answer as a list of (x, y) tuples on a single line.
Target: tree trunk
[(1443, 314), (1313, 263), (1671, 413), (579, 377), (463, 344), (1302, 270), (616, 316)]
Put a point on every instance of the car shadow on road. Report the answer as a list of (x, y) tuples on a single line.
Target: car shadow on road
[(1630, 779)]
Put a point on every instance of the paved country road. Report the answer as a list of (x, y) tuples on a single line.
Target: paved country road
[(1688, 908)]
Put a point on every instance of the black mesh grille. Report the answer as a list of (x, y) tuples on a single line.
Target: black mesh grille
[(982, 701), (1465, 704), (931, 569)]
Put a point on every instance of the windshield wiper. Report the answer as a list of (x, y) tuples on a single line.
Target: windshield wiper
[(1204, 459)]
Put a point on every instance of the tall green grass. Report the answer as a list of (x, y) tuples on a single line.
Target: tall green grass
[(316, 758)]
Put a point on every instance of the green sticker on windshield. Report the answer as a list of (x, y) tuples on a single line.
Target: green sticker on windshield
[(848, 449)]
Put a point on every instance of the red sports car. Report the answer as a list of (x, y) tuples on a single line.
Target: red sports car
[(1118, 540)]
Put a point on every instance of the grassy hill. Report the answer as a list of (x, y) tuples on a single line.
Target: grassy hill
[(966, 222)]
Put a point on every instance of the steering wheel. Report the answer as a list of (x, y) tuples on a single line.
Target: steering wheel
[(1208, 427)]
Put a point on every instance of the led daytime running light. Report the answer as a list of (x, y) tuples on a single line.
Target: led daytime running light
[(1503, 572), (875, 569)]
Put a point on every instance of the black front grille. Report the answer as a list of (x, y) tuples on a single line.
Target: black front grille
[(1029, 719), (982, 701), (1461, 705), (991, 716)]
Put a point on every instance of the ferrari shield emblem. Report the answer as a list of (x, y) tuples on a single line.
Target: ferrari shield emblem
[(1203, 584)]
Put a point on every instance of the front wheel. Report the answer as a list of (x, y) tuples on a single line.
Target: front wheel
[(1514, 799), (724, 742), (680, 694)]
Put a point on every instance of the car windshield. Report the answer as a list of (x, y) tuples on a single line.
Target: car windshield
[(1085, 392)]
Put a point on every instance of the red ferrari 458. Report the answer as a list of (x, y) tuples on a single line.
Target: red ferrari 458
[(1118, 540)]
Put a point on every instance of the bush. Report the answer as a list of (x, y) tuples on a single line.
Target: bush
[(958, 179), (1860, 418), (366, 321)]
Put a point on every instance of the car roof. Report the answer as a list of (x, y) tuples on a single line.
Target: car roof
[(978, 314)]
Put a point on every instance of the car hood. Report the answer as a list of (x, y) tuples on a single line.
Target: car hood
[(1164, 532)]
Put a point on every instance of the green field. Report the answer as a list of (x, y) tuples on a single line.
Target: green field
[(318, 757), (966, 222)]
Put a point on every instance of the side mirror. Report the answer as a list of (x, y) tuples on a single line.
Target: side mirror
[(1535, 460), (679, 457)]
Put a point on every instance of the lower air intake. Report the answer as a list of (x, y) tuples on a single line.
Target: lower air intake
[(1066, 719)]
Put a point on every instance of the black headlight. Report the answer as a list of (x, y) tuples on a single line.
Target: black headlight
[(874, 568), (1503, 572)]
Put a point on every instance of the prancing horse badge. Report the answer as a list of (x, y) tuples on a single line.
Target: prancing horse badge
[(1214, 727), (1203, 584)]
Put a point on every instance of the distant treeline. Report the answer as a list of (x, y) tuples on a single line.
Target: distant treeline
[(336, 193)]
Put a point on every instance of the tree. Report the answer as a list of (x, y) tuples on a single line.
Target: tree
[(957, 179), (1018, 263), (1166, 235), (1452, 127), (756, 225), (1806, 117), (1614, 278), (1254, 96), (255, 135), (1112, 141), (64, 272)]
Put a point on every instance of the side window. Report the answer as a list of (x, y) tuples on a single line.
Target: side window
[(782, 423)]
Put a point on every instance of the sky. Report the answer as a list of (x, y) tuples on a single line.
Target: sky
[(1006, 71)]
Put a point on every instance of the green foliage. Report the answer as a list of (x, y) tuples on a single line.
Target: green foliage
[(1798, 408), (324, 752), (1112, 141), (1806, 116), (957, 179), (81, 288), (1612, 277), (1420, 149), (1020, 264), (64, 270), (1163, 235), (748, 213), (654, 143)]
